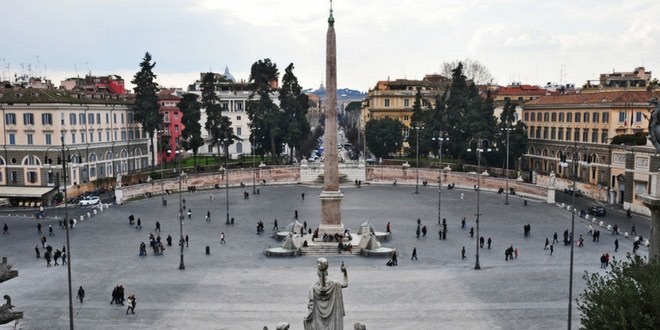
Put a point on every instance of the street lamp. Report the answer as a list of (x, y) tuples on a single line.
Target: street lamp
[(66, 153), (479, 149), (507, 129), (417, 128), (254, 173), (225, 143), (162, 183), (564, 164), (439, 136), (181, 174)]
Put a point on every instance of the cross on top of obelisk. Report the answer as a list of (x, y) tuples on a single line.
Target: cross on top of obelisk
[(331, 19)]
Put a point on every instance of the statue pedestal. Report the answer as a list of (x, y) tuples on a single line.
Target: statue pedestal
[(652, 201), (331, 213), (119, 195), (551, 196)]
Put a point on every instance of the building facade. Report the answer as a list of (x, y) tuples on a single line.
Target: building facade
[(557, 124), (97, 129), (170, 135)]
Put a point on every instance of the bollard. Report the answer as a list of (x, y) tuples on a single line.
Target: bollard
[(164, 202), (232, 221), (82, 218), (208, 250), (462, 195), (89, 215), (95, 212), (525, 202)]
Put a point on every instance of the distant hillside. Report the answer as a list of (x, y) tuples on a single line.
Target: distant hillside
[(342, 94)]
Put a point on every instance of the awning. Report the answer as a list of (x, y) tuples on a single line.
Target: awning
[(6, 191)]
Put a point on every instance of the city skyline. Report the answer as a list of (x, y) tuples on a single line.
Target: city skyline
[(517, 40)]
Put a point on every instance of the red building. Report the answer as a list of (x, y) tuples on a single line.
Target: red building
[(172, 127)]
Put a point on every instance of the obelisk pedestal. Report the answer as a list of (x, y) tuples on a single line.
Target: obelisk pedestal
[(331, 196), (652, 201)]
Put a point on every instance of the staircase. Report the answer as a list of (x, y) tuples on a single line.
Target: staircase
[(327, 249)]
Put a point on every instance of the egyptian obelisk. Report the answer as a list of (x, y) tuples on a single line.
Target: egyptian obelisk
[(331, 196)]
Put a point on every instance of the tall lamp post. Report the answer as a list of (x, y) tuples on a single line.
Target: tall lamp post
[(226, 145), (479, 149), (162, 183), (254, 173), (507, 129), (417, 128), (440, 137), (181, 211), (66, 153), (564, 164)]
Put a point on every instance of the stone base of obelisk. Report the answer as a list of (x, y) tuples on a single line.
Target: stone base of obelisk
[(331, 213), (653, 203)]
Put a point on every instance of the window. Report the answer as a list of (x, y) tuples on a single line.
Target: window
[(91, 137), (553, 117), (546, 117), (100, 137), (107, 136), (73, 138), (538, 132), (603, 136), (237, 117), (532, 117), (239, 148), (129, 118), (49, 138), (30, 138), (107, 118), (545, 133), (595, 117), (560, 134), (387, 103), (82, 119), (46, 119), (176, 128), (406, 103), (526, 116), (32, 176), (10, 118), (585, 135), (90, 118), (28, 118), (62, 116), (576, 135), (12, 138), (553, 133), (72, 119), (577, 117), (606, 117), (130, 134), (98, 118), (586, 117), (638, 117), (406, 117), (123, 135), (122, 117), (82, 137), (568, 134), (561, 117), (569, 117), (176, 115), (115, 135), (594, 135), (622, 116), (238, 131), (13, 176), (114, 118)]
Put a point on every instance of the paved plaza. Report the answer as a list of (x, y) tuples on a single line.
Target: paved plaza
[(237, 287)]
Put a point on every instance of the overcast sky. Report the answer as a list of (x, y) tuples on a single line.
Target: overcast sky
[(530, 41)]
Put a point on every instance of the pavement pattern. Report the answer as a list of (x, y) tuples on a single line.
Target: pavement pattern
[(237, 287)]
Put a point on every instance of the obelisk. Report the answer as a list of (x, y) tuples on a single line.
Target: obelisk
[(331, 196)]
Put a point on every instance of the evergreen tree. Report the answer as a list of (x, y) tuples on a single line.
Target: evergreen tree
[(146, 101), (191, 136), (421, 119), (383, 136), (456, 113), (295, 105), (218, 126), (264, 114), (517, 134)]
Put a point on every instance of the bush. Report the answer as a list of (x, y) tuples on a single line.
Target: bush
[(637, 139)]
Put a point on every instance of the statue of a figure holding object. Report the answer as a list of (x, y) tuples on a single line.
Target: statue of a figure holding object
[(326, 304)]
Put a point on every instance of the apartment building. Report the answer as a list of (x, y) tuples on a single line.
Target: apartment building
[(558, 123), (170, 136), (97, 129)]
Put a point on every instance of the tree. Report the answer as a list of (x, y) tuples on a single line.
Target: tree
[(422, 119), (456, 113), (262, 111), (191, 136), (472, 69), (383, 136), (517, 134), (218, 126), (295, 105), (146, 101), (626, 297)]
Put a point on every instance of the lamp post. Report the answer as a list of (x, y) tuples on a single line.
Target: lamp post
[(479, 149), (564, 164), (178, 157), (507, 129), (417, 128), (226, 145), (162, 183), (66, 152), (439, 136), (254, 173)]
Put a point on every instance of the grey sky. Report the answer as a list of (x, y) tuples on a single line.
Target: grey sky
[(518, 40)]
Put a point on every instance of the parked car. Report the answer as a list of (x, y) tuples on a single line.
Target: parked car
[(569, 191), (598, 211), (371, 160), (91, 200)]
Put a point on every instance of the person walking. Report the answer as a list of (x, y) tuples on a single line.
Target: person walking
[(50, 230), (295, 215), (417, 231), (552, 248), (81, 294), (64, 258), (303, 196), (131, 304), (554, 238), (139, 224), (47, 257), (482, 240), (489, 241), (208, 216), (633, 231), (616, 245), (187, 240), (39, 228), (275, 225), (5, 229), (471, 232), (424, 231), (388, 228), (157, 226), (211, 197), (222, 238), (547, 244), (463, 253), (414, 254), (463, 223), (189, 213), (36, 250)]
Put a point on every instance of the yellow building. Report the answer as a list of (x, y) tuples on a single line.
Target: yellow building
[(395, 98)]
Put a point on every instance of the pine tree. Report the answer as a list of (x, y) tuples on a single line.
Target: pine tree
[(383, 136), (295, 105), (218, 126), (191, 136), (146, 101), (264, 114)]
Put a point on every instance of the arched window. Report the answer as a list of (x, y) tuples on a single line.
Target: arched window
[(123, 154), (92, 158), (108, 155), (31, 160), (239, 148)]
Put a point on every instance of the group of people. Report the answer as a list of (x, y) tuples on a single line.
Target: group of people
[(118, 298)]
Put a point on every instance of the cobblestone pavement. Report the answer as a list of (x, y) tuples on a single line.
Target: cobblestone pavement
[(236, 287)]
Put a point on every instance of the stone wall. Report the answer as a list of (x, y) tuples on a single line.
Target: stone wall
[(310, 172)]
